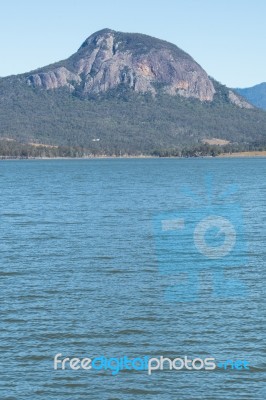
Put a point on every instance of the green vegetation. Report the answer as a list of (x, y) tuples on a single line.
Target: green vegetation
[(125, 123), (13, 149)]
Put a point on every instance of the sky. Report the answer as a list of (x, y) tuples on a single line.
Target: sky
[(226, 37)]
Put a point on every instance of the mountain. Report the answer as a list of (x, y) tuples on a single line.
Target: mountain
[(108, 58), (255, 95), (124, 93)]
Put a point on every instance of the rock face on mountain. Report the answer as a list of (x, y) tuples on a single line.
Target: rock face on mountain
[(238, 101), (144, 64), (54, 79)]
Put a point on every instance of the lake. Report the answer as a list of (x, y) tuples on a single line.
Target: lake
[(87, 271)]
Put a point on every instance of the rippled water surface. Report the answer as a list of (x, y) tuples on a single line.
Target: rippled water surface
[(80, 275)]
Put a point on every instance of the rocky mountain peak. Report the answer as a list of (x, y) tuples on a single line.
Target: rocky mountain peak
[(95, 37), (108, 58)]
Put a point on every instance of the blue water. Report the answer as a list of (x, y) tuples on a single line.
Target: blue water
[(81, 274)]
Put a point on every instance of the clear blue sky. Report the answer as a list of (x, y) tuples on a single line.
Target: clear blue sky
[(227, 37)]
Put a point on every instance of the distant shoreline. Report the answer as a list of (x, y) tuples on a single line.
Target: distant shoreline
[(242, 154), (245, 154)]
